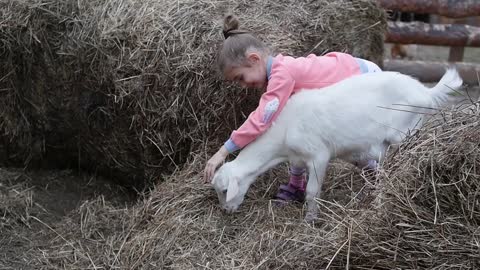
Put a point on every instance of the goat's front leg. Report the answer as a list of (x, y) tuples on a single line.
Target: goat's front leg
[(316, 169)]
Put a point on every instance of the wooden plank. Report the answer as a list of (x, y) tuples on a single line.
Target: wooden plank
[(433, 34), (456, 54), (427, 71), (448, 8)]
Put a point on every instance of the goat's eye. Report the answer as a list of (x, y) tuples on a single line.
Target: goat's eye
[(224, 191)]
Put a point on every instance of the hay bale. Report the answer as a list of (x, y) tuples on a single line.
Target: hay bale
[(128, 87), (427, 209), (430, 195)]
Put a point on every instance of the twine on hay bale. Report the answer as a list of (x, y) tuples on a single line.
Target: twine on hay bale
[(128, 87)]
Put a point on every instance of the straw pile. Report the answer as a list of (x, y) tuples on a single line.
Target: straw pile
[(429, 201), (128, 87), (425, 214), (180, 226), (15, 200)]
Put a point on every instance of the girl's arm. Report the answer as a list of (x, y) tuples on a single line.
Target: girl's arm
[(279, 90)]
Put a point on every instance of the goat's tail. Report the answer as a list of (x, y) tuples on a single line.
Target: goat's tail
[(446, 90)]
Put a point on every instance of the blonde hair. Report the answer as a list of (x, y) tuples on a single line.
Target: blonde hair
[(237, 44)]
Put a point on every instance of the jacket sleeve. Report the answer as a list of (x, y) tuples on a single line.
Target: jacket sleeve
[(280, 88)]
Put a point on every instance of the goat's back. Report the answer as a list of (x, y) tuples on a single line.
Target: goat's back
[(354, 114)]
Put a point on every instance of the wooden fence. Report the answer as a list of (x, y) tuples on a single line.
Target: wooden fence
[(456, 31)]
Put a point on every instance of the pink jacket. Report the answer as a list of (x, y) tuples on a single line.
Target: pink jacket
[(286, 76)]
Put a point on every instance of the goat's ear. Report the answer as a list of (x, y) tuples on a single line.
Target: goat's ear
[(232, 189), (213, 180)]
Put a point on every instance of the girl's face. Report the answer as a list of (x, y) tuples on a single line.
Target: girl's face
[(253, 74)]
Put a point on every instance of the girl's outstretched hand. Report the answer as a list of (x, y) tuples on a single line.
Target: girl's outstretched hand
[(213, 163)]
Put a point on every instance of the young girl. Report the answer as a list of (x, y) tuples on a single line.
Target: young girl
[(246, 60)]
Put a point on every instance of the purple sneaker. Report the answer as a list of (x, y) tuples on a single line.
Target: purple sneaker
[(290, 193)]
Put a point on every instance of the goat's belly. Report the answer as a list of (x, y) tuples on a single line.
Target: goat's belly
[(341, 152)]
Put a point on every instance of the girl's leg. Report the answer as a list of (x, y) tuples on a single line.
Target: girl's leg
[(297, 177), (295, 189), (372, 67), (368, 66)]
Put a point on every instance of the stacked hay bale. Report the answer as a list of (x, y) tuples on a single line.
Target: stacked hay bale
[(129, 87)]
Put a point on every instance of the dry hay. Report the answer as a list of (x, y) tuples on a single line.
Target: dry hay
[(16, 208), (15, 201), (128, 87), (429, 197), (425, 215), (180, 226), (34, 204)]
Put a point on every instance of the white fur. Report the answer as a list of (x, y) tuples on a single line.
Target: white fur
[(355, 120)]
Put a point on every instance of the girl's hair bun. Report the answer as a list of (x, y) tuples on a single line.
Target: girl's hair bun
[(230, 23)]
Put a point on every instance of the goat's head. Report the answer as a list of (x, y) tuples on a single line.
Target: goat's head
[(230, 188)]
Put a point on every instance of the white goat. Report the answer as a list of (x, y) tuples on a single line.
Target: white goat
[(355, 120)]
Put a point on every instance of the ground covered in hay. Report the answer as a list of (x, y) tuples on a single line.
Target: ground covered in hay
[(423, 214)]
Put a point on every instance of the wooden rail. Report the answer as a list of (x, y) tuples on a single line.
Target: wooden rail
[(448, 8), (456, 35), (427, 71), (433, 34)]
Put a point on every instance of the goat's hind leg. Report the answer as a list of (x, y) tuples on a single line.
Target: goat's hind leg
[(370, 169), (317, 170)]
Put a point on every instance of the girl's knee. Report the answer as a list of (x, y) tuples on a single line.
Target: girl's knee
[(368, 66), (297, 170), (372, 67)]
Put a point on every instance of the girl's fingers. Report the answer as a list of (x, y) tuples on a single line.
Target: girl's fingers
[(209, 173)]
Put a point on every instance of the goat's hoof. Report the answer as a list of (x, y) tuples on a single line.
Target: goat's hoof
[(310, 217)]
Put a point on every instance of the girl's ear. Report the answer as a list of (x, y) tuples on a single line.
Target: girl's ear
[(253, 57)]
